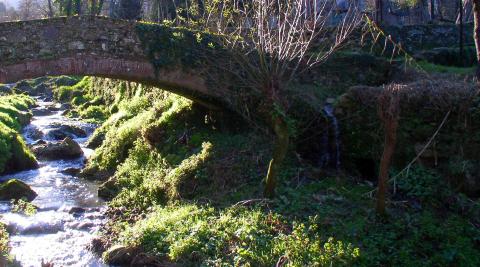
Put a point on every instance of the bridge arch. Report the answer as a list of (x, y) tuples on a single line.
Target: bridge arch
[(92, 46)]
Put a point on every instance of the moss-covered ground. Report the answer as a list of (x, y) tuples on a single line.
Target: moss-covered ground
[(185, 187), (14, 113)]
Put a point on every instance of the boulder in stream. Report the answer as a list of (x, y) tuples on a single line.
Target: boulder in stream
[(66, 130), (71, 171), (120, 255), (16, 189), (65, 149), (42, 111)]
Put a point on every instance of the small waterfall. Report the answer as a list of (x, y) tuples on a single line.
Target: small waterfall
[(327, 156)]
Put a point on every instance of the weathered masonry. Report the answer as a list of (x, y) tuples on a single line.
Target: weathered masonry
[(92, 46)]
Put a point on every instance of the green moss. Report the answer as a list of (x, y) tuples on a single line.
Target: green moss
[(14, 154), (95, 113), (433, 68), (176, 160), (167, 46), (237, 237)]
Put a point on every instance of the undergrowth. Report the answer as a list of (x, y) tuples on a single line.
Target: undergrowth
[(185, 187), (14, 154)]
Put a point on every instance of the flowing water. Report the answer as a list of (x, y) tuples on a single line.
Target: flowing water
[(69, 210), (327, 155)]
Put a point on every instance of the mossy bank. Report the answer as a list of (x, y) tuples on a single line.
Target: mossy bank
[(185, 188)]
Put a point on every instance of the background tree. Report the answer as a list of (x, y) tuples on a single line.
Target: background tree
[(127, 9), (476, 19), (28, 9), (270, 43)]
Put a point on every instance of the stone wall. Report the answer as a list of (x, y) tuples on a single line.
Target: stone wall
[(93, 46)]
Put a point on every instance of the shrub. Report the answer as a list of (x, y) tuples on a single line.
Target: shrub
[(194, 235)]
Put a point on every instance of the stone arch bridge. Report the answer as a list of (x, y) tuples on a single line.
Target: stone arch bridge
[(94, 46)]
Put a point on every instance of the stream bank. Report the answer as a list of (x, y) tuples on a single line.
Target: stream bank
[(68, 210)]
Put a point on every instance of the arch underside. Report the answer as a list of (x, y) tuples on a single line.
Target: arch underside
[(140, 71)]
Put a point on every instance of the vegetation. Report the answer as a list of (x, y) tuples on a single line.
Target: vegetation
[(23, 206), (184, 188), (184, 182), (14, 154)]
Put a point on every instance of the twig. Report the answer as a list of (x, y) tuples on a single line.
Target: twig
[(250, 201), (409, 165)]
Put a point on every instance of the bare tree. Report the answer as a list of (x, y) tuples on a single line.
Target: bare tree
[(29, 9), (271, 43)]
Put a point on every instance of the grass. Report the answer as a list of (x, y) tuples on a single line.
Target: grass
[(14, 154), (181, 181), (433, 68)]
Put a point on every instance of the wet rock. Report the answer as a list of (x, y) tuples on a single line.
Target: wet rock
[(143, 259), (16, 189), (42, 228), (76, 210), (40, 142), (109, 189), (33, 133), (119, 254), (65, 106), (53, 107), (94, 174), (95, 141), (41, 111), (5, 90), (23, 87), (71, 171), (41, 89), (66, 130), (64, 81), (85, 225), (65, 149), (24, 118), (98, 245)]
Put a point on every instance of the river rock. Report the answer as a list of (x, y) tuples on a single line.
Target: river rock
[(33, 133), (65, 149), (40, 142), (24, 118), (67, 130), (94, 174), (71, 171), (109, 189), (119, 255), (16, 189), (23, 87), (41, 111), (5, 90)]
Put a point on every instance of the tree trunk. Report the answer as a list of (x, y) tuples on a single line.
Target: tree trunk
[(78, 7), (93, 7), (461, 33), (388, 150), (282, 135), (432, 10), (378, 11), (389, 110), (476, 18), (50, 9), (69, 8), (100, 7)]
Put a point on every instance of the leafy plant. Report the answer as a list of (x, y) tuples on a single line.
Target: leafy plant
[(24, 207)]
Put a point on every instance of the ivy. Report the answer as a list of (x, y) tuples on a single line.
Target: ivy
[(171, 47)]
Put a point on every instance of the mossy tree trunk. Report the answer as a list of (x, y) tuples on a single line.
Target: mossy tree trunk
[(282, 136), (282, 141)]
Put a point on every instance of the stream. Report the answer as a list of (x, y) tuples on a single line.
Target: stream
[(69, 210)]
